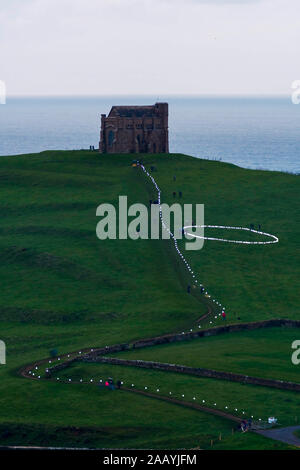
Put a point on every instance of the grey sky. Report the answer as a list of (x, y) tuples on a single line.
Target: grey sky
[(149, 46)]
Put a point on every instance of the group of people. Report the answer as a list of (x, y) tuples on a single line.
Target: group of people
[(109, 383), (252, 227), (174, 192)]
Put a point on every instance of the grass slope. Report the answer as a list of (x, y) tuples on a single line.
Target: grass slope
[(63, 288), (257, 401), (262, 353)]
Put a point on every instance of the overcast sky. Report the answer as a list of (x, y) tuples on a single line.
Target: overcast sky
[(149, 46)]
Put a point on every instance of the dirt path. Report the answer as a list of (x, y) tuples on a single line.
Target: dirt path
[(67, 358), (198, 372), (284, 435), (194, 406)]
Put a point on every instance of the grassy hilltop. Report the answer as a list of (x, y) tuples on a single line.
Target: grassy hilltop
[(63, 288)]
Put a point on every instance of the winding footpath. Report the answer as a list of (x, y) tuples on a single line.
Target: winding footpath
[(32, 370), (186, 229)]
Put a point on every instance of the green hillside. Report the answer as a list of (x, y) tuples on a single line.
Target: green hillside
[(262, 353), (63, 288)]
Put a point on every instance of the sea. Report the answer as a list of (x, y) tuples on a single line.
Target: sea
[(249, 131)]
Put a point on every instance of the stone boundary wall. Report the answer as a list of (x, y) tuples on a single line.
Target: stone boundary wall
[(200, 372), (214, 331), (100, 352), (96, 355), (107, 349), (58, 367)]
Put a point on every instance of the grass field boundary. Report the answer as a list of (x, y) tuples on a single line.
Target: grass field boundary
[(194, 406), (197, 331), (200, 372), (99, 355), (95, 352), (170, 338)]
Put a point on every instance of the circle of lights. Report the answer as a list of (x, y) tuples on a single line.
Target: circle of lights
[(189, 268), (227, 227)]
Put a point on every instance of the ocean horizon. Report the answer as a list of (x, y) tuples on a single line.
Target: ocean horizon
[(259, 132)]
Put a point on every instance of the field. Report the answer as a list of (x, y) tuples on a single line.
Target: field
[(262, 353), (62, 288), (256, 401)]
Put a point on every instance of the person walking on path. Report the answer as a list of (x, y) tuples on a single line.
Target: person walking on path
[(244, 426)]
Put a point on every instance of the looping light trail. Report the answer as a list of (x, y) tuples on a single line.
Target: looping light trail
[(189, 268), (227, 227)]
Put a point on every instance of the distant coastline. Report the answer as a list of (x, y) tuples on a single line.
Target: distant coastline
[(250, 131)]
